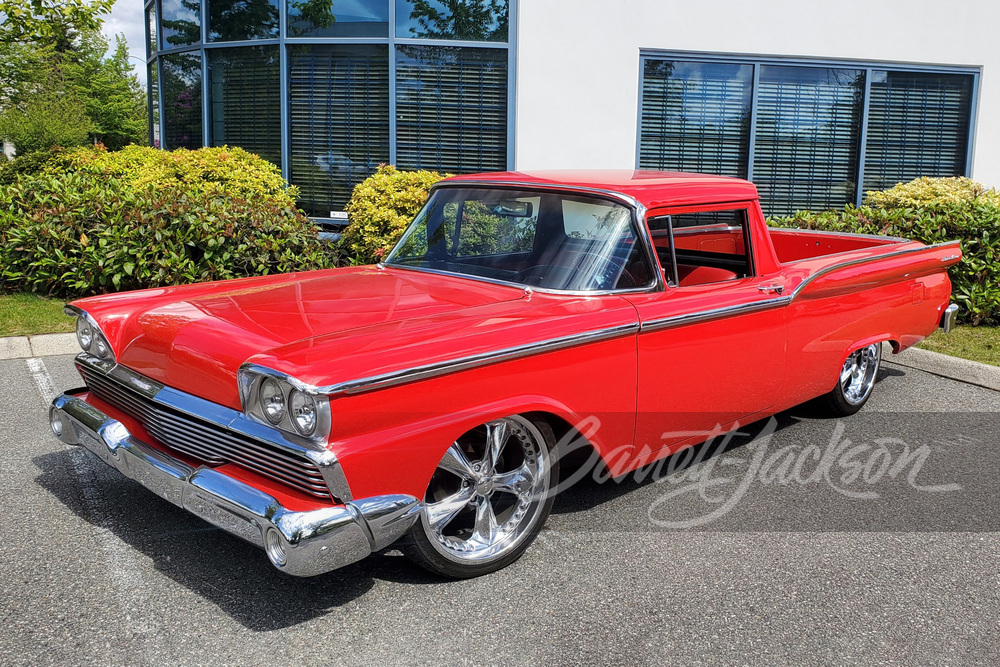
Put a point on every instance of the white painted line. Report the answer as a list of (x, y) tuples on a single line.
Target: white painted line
[(142, 628)]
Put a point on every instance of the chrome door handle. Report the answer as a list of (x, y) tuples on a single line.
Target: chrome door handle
[(777, 289)]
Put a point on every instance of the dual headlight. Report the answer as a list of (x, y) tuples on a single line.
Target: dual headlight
[(91, 339), (284, 403)]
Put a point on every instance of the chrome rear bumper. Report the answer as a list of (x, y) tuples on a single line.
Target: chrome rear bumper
[(303, 544), (948, 317)]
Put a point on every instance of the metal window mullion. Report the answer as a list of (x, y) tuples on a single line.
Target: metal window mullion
[(863, 139), (511, 83), (206, 139), (393, 155), (752, 138), (159, 101), (973, 108), (284, 85)]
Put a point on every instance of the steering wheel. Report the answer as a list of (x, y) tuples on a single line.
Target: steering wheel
[(544, 275)]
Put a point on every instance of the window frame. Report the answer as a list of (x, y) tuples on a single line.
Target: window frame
[(758, 61), (673, 280)]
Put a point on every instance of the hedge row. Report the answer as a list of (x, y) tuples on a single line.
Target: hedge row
[(932, 210), (87, 221)]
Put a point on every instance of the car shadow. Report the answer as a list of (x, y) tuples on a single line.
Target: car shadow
[(232, 574)]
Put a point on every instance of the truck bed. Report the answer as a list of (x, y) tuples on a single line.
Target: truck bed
[(795, 245)]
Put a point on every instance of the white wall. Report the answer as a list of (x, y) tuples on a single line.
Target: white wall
[(578, 60)]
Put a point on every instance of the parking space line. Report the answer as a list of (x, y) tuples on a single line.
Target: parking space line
[(125, 576)]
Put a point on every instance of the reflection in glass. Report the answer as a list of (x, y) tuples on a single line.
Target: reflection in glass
[(151, 30), (338, 18), (154, 104), (918, 125), (808, 136), (451, 108), (231, 20), (696, 117), (339, 108), (181, 22), (245, 100), (182, 100), (471, 20)]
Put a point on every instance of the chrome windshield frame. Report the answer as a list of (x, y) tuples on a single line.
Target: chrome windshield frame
[(638, 222)]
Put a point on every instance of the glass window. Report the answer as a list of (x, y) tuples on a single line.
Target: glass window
[(339, 105), (469, 20), (710, 246), (808, 135), (181, 100), (342, 18), (153, 87), (245, 99), (151, 30), (181, 22), (695, 117), (231, 20), (918, 125), (451, 108), (548, 240)]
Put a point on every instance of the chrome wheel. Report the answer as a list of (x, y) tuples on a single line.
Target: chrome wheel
[(488, 493), (858, 374)]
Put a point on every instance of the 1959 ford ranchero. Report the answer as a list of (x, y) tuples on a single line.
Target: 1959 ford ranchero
[(327, 415)]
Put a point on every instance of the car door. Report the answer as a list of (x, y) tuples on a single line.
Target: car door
[(711, 348)]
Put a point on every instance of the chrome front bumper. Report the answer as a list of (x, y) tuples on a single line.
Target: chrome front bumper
[(303, 544)]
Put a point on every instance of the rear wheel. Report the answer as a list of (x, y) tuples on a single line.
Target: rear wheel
[(487, 500), (856, 381)]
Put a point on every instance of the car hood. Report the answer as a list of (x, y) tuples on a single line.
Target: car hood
[(195, 338)]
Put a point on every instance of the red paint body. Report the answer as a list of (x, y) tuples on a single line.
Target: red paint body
[(651, 392)]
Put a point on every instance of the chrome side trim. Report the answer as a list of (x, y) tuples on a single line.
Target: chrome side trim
[(227, 419), (948, 317), (864, 260), (74, 311), (311, 542), (396, 378), (852, 235), (714, 314)]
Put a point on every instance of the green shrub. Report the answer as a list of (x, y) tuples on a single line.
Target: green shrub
[(225, 171), (931, 211), (27, 164), (381, 208), (79, 233)]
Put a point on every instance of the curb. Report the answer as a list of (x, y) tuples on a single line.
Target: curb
[(953, 368), (44, 345)]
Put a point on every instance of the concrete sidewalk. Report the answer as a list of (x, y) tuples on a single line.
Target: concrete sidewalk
[(43, 345)]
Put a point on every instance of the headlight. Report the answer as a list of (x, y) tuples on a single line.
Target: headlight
[(101, 346), (272, 400), (303, 410), (84, 333)]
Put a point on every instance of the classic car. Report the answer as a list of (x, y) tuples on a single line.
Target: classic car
[(417, 403)]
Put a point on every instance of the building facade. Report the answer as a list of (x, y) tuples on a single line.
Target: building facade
[(815, 102)]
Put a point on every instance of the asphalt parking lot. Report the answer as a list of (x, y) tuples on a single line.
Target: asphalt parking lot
[(872, 540)]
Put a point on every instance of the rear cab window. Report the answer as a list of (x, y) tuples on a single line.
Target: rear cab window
[(699, 247)]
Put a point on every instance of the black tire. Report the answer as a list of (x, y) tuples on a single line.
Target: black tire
[(855, 383), (441, 554)]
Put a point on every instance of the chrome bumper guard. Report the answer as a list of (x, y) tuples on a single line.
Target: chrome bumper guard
[(302, 544), (948, 317)]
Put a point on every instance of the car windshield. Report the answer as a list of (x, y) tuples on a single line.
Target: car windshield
[(539, 239)]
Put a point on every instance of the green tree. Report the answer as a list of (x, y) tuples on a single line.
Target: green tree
[(114, 99), (58, 23), (53, 117), (477, 20)]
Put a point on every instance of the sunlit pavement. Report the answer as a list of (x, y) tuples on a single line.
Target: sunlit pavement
[(874, 539)]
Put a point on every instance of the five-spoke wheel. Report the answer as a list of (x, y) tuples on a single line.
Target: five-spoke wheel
[(487, 500)]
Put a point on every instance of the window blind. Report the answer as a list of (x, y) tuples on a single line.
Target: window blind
[(808, 137), (339, 106), (918, 125), (451, 108), (695, 117), (245, 102)]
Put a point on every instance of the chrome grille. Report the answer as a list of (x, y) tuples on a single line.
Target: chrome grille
[(206, 441)]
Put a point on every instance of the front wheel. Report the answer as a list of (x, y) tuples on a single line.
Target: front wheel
[(856, 381), (487, 500)]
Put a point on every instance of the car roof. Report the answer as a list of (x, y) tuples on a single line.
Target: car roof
[(653, 189)]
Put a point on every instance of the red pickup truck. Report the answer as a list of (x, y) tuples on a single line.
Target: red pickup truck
[(419, 402)]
